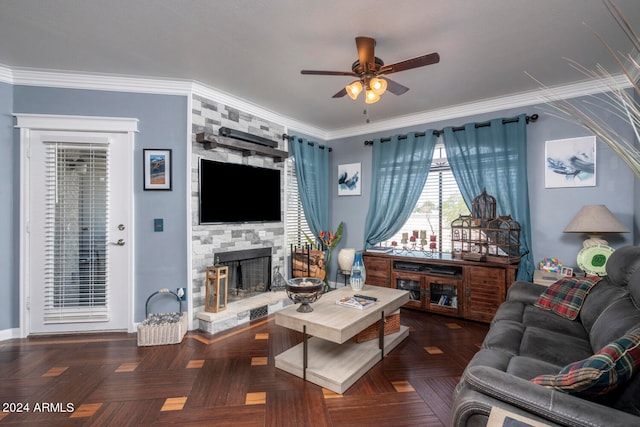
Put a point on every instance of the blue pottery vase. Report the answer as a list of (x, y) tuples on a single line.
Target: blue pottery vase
[(358, 273)]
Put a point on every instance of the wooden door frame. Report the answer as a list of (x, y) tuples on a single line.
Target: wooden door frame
[(39, 122)]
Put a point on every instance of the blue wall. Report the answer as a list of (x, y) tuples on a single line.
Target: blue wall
[(551, 209), (160, 258)]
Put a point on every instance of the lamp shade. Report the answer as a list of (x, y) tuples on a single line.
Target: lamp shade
[(595, 220), (354, 89), (379, 86), (371, 97)]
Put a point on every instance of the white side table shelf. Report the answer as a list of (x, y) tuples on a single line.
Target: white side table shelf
[(546, 278)]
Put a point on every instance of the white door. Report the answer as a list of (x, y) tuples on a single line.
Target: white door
[(78, 234)]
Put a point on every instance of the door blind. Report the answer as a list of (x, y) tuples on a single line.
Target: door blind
[(76, 274)]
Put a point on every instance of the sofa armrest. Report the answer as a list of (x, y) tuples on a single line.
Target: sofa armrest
[(549, 404)]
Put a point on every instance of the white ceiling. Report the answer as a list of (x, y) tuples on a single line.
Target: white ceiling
[(255, 49)]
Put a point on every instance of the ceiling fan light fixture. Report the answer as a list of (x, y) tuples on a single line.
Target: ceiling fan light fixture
[(371, 97), (378, 85), (368, 67), (354, 89)]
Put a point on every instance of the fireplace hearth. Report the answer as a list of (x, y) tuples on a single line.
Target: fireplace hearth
[(249, 272)]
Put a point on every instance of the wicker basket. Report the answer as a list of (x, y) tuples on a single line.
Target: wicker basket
[(164, 328), (391, 325)]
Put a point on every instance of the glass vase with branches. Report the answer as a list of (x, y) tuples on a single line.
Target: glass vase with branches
[(617, 93), (326, 242)]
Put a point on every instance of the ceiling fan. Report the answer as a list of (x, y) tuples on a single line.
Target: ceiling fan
[(368, 70)]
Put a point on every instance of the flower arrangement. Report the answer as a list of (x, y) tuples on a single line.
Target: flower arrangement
[(618, 101), (328, 242)]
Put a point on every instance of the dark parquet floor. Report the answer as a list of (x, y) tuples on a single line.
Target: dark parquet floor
[(228, 379)]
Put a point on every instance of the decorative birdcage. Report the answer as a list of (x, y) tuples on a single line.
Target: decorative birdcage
[(503, 236), (483, 237), (467, 238), (483, 208)]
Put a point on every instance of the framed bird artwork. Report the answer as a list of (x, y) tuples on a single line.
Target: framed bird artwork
[(349, 182), (570, 162)]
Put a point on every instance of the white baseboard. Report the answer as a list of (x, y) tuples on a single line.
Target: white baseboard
[(9, 334)]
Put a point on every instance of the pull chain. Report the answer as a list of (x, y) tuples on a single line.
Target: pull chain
[(366, 113)]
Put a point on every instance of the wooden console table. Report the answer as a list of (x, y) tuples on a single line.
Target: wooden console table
[(441, 284)]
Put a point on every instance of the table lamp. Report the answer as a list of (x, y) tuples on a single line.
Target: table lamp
[(595, 220)]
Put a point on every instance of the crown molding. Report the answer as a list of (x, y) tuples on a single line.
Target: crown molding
[(103, 82), (256, 110), (6, 75), (524, 99)]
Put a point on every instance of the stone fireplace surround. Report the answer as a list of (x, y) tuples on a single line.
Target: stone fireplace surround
[(249, 293), (242, 312), (210, 239)]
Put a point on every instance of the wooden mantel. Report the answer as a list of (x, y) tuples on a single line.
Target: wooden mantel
[(210, 142)]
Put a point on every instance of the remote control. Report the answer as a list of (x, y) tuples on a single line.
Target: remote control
[(366, 297)]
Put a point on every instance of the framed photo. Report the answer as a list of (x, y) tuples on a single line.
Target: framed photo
[(567, 271), (570, 162), (349, 183), (157, 169)]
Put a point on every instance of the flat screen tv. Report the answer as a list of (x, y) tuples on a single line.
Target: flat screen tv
[(232, 192)]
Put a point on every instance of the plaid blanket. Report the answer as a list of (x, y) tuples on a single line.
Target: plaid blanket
[(565, 297)]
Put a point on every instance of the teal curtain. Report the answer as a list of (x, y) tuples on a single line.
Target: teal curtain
[(312, 171), (399, 173), (494, 158)]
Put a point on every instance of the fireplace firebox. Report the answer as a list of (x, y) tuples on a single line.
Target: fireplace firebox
[(249, 272)]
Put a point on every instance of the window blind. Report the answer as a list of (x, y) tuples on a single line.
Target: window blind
[(296, 223), (77, 200), (439, 204)]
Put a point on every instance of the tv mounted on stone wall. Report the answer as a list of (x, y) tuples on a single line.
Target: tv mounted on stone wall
[(232, 193)]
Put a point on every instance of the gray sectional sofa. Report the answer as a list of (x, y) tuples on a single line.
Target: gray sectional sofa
[(526, 341)]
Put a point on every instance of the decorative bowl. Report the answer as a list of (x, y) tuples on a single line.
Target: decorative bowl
[(304, 290)]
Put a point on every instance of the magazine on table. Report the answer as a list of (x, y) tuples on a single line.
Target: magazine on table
[(355, 302)]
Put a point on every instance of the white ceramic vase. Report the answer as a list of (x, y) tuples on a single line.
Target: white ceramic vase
[(345, 258)]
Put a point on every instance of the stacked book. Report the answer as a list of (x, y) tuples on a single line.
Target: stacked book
[(356, 301)]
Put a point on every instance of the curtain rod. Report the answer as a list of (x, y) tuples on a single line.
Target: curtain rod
[(531, 118), (291, 138)]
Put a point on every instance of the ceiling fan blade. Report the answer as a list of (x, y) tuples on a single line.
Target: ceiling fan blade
[(340, 94), (420, 61), (366, 55), (328, 73), (395, 88)]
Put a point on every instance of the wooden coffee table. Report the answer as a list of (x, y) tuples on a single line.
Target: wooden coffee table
[(329, 358)]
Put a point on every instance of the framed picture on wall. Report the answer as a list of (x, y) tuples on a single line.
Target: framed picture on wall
[(157, 169), (570, 162), (349, 183)]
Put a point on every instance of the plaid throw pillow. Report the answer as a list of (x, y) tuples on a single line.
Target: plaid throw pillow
[(599, 374), (565, 297)]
